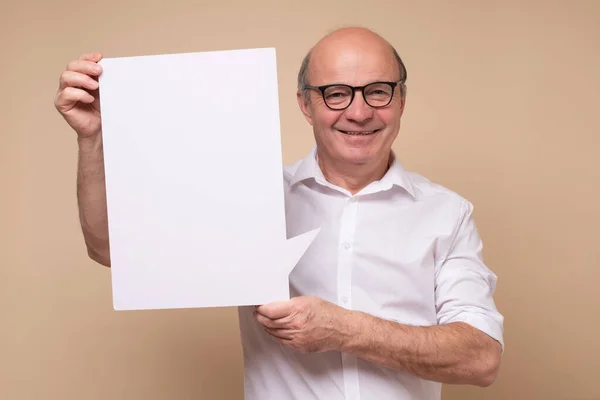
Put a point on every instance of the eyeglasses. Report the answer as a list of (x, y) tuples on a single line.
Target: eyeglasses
[(339, 97)]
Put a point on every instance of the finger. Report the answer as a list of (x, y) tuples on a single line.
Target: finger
[(85, 67), (77, 79), (69, 97), (269, 323), (276, 310), (93, 56), (282, 334)]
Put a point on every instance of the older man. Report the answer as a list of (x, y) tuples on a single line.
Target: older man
[(392, 299)]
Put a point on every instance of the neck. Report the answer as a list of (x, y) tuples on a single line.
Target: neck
[(354, 177)]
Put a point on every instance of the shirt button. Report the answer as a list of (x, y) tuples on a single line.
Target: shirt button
[(346, 245), (345, 300)]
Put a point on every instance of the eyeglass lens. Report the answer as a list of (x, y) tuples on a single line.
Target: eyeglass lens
[(376, 95)]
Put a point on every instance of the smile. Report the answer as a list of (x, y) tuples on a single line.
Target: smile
[(359, 133)]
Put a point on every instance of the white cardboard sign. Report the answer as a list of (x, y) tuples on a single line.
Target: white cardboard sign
[(194, 180)]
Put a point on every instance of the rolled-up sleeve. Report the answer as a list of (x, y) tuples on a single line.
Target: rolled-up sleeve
[(465, 286)]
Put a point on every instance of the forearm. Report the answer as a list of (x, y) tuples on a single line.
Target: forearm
[(91, 197), (455, 353)]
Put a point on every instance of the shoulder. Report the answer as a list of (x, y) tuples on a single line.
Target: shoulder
[(425, 188), (439, 196), (450, 214)]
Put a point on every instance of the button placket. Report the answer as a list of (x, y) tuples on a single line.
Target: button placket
[(345, 256), (344, 292)]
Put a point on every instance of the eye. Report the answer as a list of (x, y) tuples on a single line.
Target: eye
[(336, 94), (378, 92)]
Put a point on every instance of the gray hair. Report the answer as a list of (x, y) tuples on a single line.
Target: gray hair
[(303, 74)]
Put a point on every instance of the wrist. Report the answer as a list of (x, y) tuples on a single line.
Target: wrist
[(92, 142), (349, 329)]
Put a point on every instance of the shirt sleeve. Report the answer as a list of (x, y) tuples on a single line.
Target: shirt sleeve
[(464, 284)]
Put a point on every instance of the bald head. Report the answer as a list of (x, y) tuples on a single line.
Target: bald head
[(348, 48)]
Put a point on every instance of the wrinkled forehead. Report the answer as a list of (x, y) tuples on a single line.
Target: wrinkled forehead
[(350, 64)]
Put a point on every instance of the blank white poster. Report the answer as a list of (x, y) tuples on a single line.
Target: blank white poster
[(194, 180)]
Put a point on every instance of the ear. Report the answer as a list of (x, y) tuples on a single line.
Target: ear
[(403, 100), (304, 107)]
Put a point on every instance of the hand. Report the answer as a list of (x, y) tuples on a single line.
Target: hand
[(77, 98), (306, 323)]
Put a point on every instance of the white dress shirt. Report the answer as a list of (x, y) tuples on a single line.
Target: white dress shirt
[(403, 249)]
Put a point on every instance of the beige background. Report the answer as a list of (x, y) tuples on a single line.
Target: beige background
[(503, 106)]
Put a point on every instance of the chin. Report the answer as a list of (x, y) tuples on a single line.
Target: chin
[(358, 155)]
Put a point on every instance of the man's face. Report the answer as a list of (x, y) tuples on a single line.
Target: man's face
[(360, 134)]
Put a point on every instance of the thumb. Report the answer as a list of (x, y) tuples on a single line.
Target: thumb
[(275, 310)]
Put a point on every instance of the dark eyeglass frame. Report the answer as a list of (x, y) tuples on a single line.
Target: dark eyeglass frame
[(353, 89)]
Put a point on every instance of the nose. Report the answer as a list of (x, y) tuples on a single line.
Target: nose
[(359, 110)]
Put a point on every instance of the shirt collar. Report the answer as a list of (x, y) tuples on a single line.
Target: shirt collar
[(395, 176), (308, 168)]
